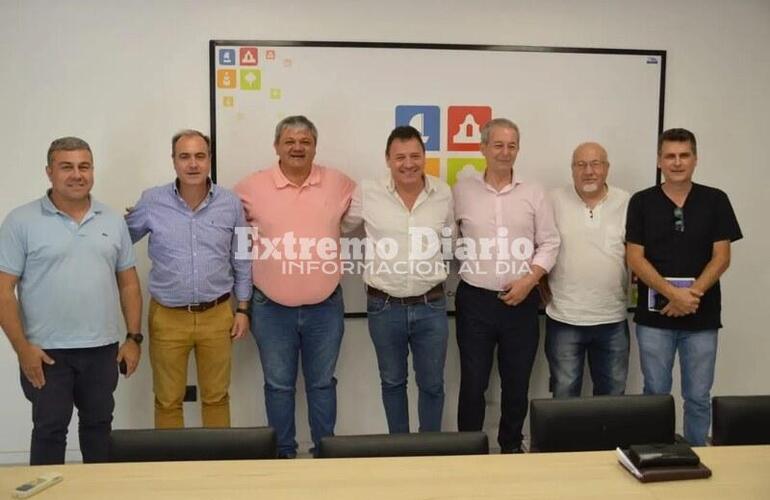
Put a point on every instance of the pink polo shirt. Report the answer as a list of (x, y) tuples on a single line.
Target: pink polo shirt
[(284, 212), (516, 225)]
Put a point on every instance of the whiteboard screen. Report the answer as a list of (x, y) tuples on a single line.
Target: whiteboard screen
[(355, 93)]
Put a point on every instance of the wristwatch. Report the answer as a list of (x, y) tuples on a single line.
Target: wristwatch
[(136, 337), (244, 310)]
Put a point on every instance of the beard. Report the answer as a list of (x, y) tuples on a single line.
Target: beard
[(590, 188)]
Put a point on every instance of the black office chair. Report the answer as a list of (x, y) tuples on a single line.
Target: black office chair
[(163, 445), (740, 420), (404, 445), (600, 422)]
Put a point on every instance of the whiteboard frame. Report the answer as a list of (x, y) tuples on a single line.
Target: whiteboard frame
[(215, 44)]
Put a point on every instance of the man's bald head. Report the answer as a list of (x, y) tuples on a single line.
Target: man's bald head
[(590, 168)]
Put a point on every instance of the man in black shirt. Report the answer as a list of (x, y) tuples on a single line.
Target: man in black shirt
[(678, 243)]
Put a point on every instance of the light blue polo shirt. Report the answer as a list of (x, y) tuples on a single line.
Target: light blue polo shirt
[(67, 288)]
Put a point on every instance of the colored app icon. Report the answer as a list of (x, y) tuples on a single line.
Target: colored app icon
[(251, 79), (248, 56), (228, 101), (270, 54), (226, 79), (433, 167), (459, 167), (464, 126), (426, 119), (275, 94), (227, 57)]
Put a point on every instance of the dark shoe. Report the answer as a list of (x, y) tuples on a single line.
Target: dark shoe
[(511, 451)]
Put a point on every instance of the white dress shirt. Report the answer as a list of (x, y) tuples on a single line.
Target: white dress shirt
[(417, 265)]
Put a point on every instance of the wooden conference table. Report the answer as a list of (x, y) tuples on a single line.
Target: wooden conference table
[(739, 473)]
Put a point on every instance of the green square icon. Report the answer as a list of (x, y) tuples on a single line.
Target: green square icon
[(275, 93), (251, 79), (456, 167)]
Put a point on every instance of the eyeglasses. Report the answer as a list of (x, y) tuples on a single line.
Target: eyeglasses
[(595, 164), (679, 220)]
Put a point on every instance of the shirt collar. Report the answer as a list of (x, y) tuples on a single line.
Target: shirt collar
[(479, 177), (281, 181), (212, 188), (48, 205), (390, 184)]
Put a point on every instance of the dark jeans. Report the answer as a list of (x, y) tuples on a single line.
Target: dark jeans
[(606, 345), (483, 323), (85, 378), (395, 328)]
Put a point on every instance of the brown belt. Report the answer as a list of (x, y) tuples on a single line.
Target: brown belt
[(434, 293), (203, 306)]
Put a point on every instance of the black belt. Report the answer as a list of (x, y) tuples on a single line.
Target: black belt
[(434, 293), (203, 306)]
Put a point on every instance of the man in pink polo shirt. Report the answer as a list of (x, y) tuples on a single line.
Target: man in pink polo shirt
[(509, 241), (295, 208)]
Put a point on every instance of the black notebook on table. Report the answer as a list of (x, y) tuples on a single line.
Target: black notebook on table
[(662, 462)]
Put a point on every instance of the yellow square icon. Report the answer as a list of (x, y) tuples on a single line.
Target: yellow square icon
[(275, 93), (226, 79), (228, 101)]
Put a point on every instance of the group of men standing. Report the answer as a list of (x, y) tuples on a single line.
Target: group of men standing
[(71, 261)]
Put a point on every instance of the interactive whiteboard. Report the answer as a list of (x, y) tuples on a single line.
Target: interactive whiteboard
[(355, 93)]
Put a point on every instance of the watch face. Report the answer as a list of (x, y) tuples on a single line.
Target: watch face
[(136, 337)]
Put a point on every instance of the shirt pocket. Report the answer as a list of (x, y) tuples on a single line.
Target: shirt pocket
[(614, 240)]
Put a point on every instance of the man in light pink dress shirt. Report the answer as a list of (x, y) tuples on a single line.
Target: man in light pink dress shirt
[(295, 209), (509, 240)]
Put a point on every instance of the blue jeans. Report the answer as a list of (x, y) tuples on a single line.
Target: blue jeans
[(282, 334), (395, 328), (607, 347), (697, 357)]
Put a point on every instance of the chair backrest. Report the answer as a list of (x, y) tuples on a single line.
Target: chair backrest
[(404, 445), (600, 422), (740, 420), (162, 445)]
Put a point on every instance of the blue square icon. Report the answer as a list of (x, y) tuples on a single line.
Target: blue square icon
[(227, 57), (426, 119)]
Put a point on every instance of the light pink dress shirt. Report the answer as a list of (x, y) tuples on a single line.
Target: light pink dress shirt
[(522, 209), (275, 207)]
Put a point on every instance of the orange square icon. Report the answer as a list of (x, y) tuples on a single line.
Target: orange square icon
[(226, 79), (433, 167)]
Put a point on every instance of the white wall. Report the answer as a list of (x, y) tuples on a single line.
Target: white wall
[(127, 75)]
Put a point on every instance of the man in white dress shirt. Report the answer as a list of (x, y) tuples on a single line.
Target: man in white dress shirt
[(406, 304)]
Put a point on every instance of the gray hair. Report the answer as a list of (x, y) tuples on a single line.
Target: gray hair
[(67, 144), (188, 132), (296, 121), (497, 122)]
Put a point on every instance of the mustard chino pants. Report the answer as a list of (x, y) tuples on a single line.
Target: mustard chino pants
[(173, 334)]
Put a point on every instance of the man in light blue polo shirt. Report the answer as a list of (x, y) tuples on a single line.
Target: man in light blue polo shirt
[(71, 262)]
